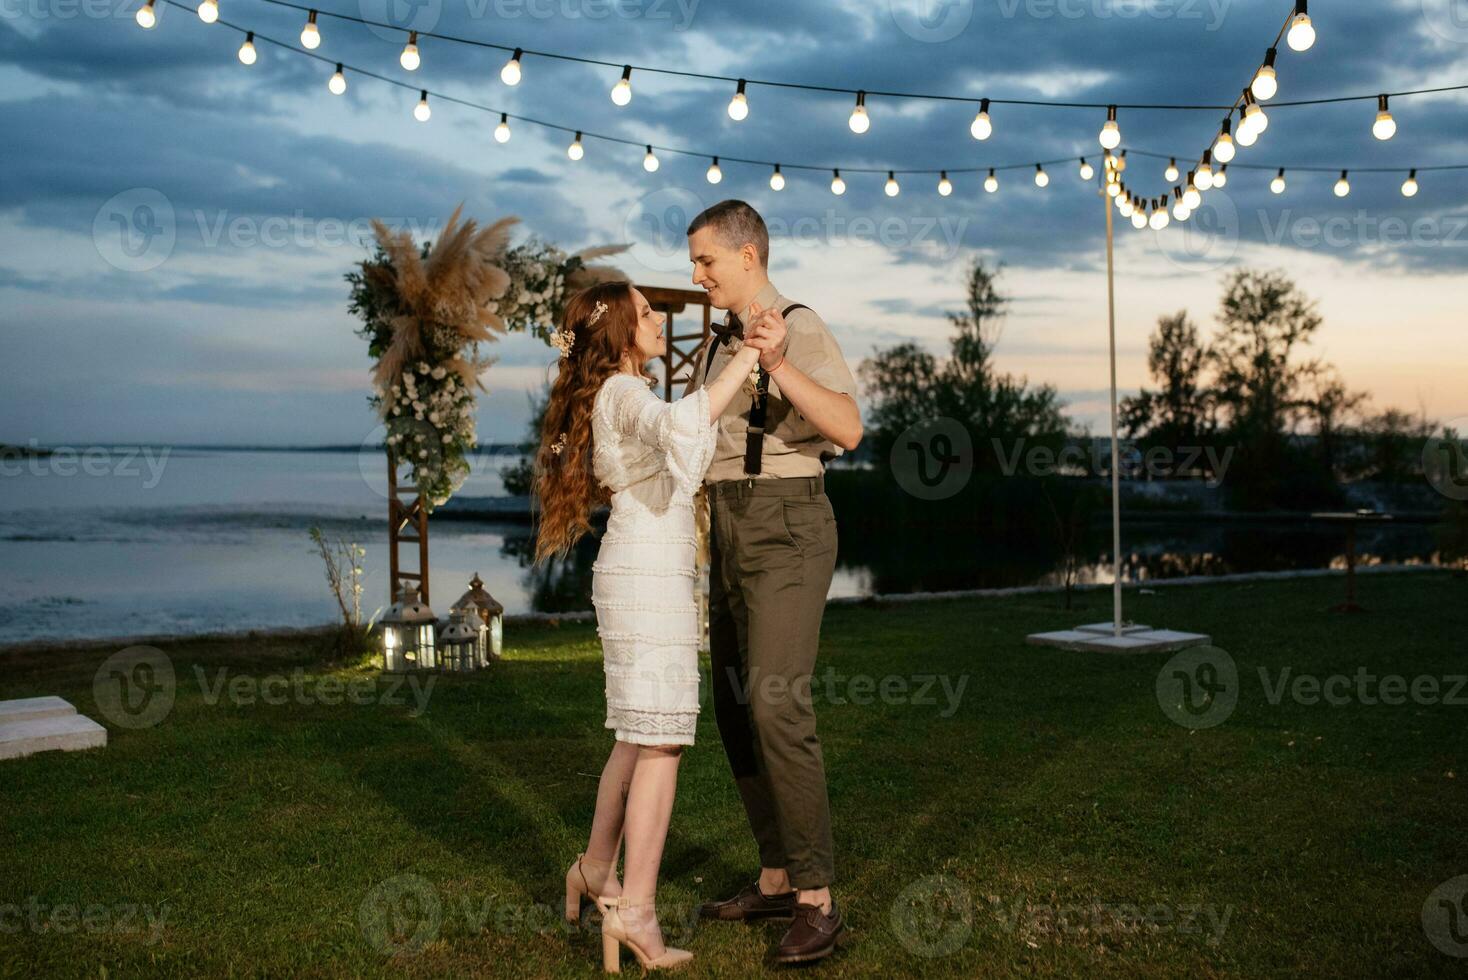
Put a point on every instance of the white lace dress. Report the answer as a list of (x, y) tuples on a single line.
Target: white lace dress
[(652, 455)]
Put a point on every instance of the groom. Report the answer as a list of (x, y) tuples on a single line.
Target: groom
[(772, 548)]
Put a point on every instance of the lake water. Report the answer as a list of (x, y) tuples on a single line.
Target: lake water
[(188, 541)]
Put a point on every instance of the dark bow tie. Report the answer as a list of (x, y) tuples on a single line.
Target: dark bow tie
[(731, 329)]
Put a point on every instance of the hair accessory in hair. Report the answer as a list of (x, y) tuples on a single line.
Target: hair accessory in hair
[(596, 313), (559, 444), (562, 340)]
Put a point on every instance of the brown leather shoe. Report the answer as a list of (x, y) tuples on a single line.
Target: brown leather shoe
[(750, 903), (812, 935)]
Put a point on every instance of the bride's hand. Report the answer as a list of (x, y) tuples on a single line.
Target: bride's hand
[(747, 357)]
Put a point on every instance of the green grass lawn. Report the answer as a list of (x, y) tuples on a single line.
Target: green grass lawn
[(1054, 821)]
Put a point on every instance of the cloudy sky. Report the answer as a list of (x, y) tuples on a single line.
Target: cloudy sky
[(176, 225)]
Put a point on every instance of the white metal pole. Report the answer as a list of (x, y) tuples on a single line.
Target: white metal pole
[(1107, 203)]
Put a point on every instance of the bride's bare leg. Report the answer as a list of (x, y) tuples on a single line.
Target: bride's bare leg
[(649, 807), (611, 809)]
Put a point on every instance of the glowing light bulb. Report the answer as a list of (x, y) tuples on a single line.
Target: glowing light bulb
[(146, 16), (1158, 219), (209, 11), (1265, 83), (1087, 171), (510, 74), (310, 34), (622, 91), (1248, 136), (982, 127), (1124, 205), (891, 187), (1192, 197), (576, 151), (991, 182), (1255, 119), (1041, 177), (1277, 185), (1220, 179), (713, 173), (247, 50), (1180, 210), (650, 162), (337, 84), (1110, 133), (1409, 186), (739, 105), (1223, 147), (421, 112), (777, 180), (502, 131), (1203, 176), (1139, 219), (1385, 126), (1342, 186), (410, 59), (838, 186), (945, 186), (1170, 174), (1302, 33), (1113, 189), (859, 122)]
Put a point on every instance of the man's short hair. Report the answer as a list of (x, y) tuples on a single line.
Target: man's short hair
[(736, 224)]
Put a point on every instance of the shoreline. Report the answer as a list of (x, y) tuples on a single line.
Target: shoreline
[(587, 615)]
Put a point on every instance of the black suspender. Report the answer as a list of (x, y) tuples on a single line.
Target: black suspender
[(754, 437)]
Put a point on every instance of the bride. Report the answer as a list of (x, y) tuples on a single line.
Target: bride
[(607, 438)]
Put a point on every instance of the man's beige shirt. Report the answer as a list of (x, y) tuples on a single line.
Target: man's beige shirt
[(792, 445)]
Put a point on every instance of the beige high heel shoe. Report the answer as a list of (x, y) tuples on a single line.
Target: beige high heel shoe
[(614, 934), (578, 887)]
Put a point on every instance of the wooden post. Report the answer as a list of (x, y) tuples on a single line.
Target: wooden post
[(399, 516)]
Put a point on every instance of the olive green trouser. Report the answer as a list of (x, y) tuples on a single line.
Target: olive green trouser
[(772, 550)]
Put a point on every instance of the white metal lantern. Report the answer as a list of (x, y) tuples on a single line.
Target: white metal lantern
[(461, 644), (490, 613), (408, 640)]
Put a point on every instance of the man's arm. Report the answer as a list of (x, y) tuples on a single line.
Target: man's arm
[(834, 414)]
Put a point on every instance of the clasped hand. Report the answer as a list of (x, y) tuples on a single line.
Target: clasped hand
[(766, 332)]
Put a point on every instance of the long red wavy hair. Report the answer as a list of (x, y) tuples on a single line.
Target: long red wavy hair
[(564, 482)]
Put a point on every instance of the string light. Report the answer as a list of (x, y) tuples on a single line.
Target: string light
[(891, 186), (945, 186), (1113, 186), (859, 122), (1124, 205), (777, 180), (1159, 219), (1254, 116), (838, 186), (510, 74), (146, 16), (209, 11), (1342, 186), (1278, 183), (650, 162), (991, 182), (421, 112), (311, 34), (247, 50), (337, 84), (1170, 174), (1041, 177), (1265, 83), (1302, 33), (622, 91), (1191, 195), (739, 105), (1203, 176), (713, 173), (1179, 208), (1220, 179), (576, 151), (1223, 147), (982, 127), (1110, 133), (1087, 171), (1409, 186), (1385, 126), (410, 58), (1139, 217), (502, 131)]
